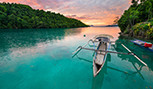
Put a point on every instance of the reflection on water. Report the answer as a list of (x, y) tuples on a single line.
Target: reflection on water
[(42, 59), (30, 37), (27, 41), (143, 54)]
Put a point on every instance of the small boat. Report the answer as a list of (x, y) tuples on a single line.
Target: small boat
[(101, 51), (143, 44), (100, 56)]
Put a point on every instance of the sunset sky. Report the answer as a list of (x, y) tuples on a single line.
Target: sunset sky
[(91, 12)]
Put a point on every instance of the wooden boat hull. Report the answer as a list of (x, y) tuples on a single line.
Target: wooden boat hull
[(96, 70), (99, 58)]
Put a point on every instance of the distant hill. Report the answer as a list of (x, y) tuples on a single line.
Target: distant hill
[(107, 26), (19, 16), (91, 25), (111, 26)]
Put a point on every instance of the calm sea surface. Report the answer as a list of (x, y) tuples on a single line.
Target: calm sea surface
[(42, 59)]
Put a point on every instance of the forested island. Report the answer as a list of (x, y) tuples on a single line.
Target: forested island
[(137, 21), (20, 16)]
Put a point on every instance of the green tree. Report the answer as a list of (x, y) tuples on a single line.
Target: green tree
[(17, 16), (116, 20), (2, 8)]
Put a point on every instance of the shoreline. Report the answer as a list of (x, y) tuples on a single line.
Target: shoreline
[(131, 34)]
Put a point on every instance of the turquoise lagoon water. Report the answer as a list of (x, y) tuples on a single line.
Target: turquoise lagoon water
[(42, 59)]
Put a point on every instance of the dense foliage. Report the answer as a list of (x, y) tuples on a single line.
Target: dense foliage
[(17, 16), (138, 19)]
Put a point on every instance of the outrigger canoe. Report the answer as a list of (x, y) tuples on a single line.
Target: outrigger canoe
[(143, 44), (101, 54), (101, 51)]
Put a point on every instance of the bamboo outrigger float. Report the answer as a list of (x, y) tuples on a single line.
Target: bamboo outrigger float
[(101, 51)]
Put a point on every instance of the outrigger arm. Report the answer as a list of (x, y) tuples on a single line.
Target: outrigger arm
[(82, 47), (130, 52), (106, 51), (134, 55)]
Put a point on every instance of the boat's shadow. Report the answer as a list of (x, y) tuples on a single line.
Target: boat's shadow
[(97, 81)]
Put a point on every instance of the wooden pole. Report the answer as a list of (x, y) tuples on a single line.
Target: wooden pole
[(134, 55)]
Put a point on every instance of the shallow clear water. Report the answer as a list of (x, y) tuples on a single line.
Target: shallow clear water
[(42, 59)]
